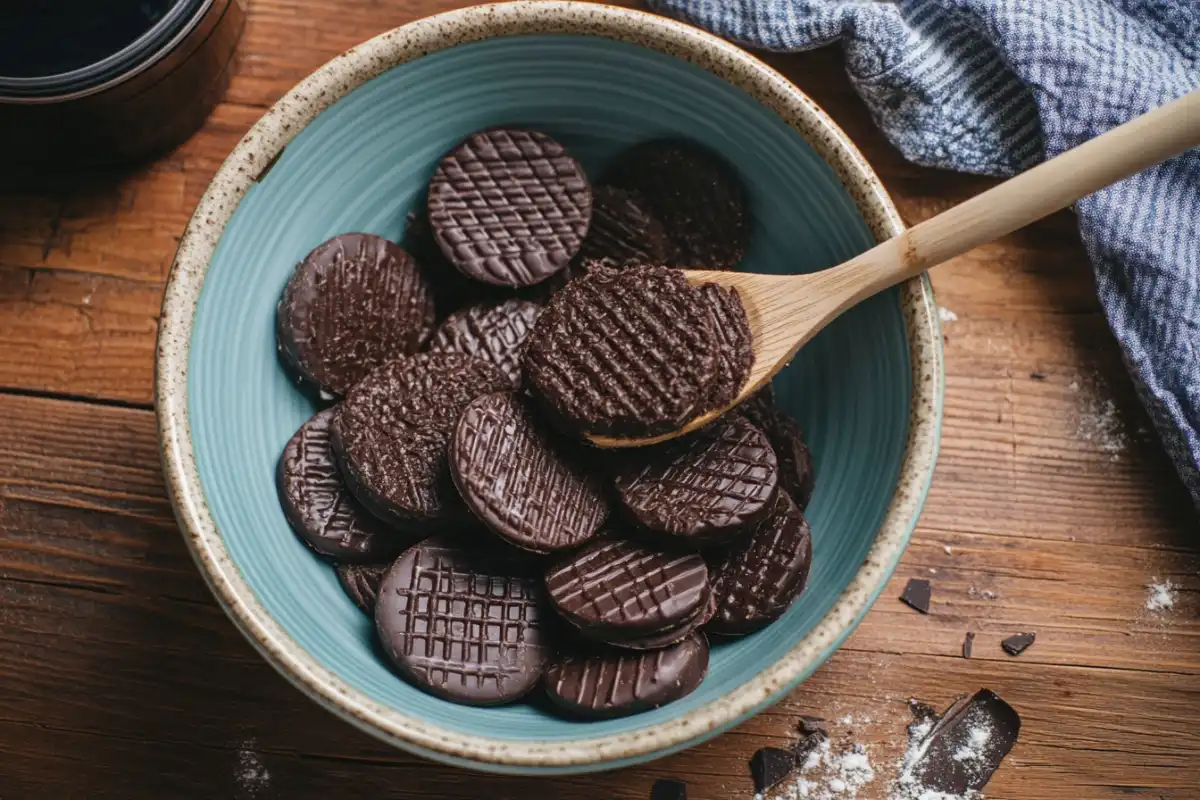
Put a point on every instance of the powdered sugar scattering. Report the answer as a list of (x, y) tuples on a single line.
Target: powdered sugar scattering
[(974, 749), (252, 777), (1161, 596), (946, 315), (832, 774)]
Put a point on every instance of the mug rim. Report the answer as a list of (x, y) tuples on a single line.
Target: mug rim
[(253, 157)]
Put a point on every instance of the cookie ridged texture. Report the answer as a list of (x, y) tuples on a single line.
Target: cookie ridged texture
[(392, 430), (353, 303), (622, 231), (361, 583), (735, 354), (695, 194), (625, 588), (319, 507), (609, 683), (629, 352), (525, 485), (509, 207), (665, 637), (463, 621), (704, 488), (493, 332), (757, 581), (797, 475)]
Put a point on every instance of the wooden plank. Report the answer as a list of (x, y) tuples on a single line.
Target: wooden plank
[(109, 639)]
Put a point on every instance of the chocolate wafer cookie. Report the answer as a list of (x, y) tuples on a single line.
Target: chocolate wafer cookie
[(463, 621), (629, 352), (353, 303), (361, 583), (493, 332), (705, 488), (695, 194), (735, 354), (667, 636), (607, 682), (525, 485), (319, 507), (509, 207), (622, 231), (796, 471), (618, 589), (759, 579), (391, 432)]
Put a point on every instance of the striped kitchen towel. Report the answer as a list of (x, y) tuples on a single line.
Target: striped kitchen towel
[(994, 86)]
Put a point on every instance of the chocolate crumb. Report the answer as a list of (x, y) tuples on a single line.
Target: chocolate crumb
[(917, 594), (769, 766), (1017, 644), (810, 725), (968, 644), (1037, 376), (667, 789)]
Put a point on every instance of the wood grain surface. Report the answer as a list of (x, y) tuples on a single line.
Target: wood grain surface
[(1052, 510)]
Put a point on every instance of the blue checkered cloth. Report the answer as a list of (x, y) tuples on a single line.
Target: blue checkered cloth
[(993, 87)]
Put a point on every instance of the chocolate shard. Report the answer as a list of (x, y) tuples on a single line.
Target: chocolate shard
[(667, 789), (968, 644), (1018, 643), (917, 594), (769, 766), (964, 748), (921, 712)]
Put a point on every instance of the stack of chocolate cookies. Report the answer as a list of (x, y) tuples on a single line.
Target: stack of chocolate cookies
[(449, 480)]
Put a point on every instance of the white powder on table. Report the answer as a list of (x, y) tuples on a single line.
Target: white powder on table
[(251, 775), (1160, 596), (946, 315)]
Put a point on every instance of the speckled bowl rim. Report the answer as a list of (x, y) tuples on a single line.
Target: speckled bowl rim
[(257, 151)]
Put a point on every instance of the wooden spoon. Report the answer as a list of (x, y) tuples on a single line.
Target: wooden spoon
[(785, 311)]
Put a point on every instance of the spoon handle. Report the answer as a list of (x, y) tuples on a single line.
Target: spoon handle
[(1127, 149)]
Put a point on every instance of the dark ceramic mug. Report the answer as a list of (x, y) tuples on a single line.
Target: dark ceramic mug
[(111, 82)]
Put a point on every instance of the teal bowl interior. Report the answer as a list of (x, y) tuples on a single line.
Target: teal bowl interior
[(363, 164)]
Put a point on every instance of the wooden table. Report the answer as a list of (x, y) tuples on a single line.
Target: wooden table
[(1052, 509)]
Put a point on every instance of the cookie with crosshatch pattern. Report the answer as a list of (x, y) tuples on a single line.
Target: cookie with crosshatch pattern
[(509, 207), (628, 352), (526, 484), (318, 506), (353, 303), (493, 332), (705, 488), (756, 581), (463, 620), (615, 590)]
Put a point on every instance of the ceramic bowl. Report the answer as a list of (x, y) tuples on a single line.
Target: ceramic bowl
[(350, 149)]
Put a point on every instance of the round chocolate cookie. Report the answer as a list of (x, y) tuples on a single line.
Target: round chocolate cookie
[(617, 589), (493, 332), (353, 303), (735, 353), (622, 231), (509, 207), (523, 484), (705, 488), (463, 620), (318, 506), (391, 432), (361, 583), (629, 352), (607, 682), (759, 579), (697, 197), (796, 473), (668, 636)]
